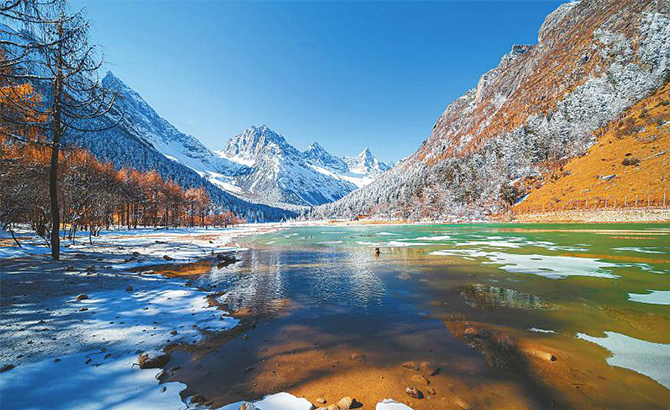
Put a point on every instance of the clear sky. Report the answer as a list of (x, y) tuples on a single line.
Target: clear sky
[(349, 75)]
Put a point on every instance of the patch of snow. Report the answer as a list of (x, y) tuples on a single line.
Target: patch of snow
[(551, 267), (390, 404), (112, 383), (277, 401), (647, 358), (648, 249), (656, 297), (538, 330)]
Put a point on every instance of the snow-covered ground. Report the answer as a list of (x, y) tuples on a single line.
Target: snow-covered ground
[(75, 329), (74, 351)]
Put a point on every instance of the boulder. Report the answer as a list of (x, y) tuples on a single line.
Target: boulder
[(412, 366), (167, 258), (157, 360), (413, 392), (82, 296)]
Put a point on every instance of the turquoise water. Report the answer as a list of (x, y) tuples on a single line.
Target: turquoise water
[(595, 296)]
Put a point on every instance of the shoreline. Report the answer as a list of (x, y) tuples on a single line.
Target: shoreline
[(96, 312)]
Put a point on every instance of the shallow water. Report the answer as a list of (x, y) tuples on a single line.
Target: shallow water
[(487, 304)]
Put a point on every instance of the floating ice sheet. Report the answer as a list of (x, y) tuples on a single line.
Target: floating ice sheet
[(552, 267), (656, 297), (650, 359)]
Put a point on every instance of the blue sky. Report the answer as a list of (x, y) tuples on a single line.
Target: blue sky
[(349, 75)]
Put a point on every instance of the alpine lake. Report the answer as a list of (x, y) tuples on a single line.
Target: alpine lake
[(477, 316)]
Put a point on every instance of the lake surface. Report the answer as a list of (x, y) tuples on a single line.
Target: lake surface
[(489, 316)]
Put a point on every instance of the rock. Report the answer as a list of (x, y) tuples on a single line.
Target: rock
[(471, 331), (90, 269), (173, 332), (82, 296), (83, 309), (247, 406), (412, 366), (129, 288), (321, 400), (629, 161), (542, 355), (167, 258), (413, 392), (136, 254), (6, 368), (153, 362), (357, 356), (198, 398), (347, 403), (429, 368), (420, 379), (225, 260), (243, 313), (460, 403)]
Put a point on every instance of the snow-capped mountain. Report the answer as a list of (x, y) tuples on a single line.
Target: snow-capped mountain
[(365, 163), (145, 141), (318, 156), (172, 143), (256, 167), (280, 174)]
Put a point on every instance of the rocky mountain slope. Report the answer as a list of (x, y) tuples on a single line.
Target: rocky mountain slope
[(594, 60), (629, 166)]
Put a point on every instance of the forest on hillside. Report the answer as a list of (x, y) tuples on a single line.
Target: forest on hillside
[(50, 91)]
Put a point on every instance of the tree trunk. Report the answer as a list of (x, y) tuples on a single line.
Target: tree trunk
[(55, 150)]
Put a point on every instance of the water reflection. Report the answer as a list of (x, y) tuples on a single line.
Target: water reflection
[(479, 296), (274, 282)]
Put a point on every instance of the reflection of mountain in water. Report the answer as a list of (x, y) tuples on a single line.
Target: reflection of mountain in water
[(479, 296), (274, 282)]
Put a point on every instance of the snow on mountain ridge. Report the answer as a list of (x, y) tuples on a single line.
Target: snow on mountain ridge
[(258, 165), (162, 135), (365, 163), (280, 174)]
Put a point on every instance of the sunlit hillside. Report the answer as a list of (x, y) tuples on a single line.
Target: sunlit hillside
[(630, 160)]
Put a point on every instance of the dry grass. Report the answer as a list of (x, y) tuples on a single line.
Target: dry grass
[(635, 149)]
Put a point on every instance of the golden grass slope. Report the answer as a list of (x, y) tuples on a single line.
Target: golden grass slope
[(630, 160)]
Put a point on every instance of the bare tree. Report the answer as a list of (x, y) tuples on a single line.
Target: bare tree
[(58, 58)]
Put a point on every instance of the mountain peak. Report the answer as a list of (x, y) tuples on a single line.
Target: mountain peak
[(113, 82), (253, 141), (365, 163), (366, 153)]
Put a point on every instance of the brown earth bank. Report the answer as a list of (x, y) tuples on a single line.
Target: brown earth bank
[(593, 216)]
